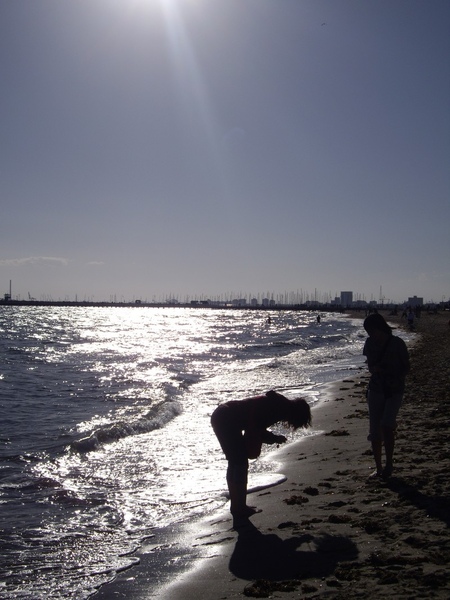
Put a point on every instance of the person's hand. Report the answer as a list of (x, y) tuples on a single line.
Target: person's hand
[(281, 439)]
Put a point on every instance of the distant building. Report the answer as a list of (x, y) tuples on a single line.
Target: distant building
[(346, 299), (239, 302), (254, 302), (415, 301), (360, 303)]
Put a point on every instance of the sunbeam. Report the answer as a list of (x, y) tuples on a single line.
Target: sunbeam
[(194, 96)]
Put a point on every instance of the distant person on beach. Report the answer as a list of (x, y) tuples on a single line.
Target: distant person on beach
[(241, 428), (410, 319), (388, 362)]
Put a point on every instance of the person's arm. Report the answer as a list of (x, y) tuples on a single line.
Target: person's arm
[(255, 434), (369, 357), (255, 438), (404, 359), (268, 437), (253, 442), (396, 363)]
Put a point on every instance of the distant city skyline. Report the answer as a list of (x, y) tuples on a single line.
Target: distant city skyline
[(298, 296), (189, 148)]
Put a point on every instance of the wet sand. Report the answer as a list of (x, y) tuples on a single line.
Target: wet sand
[(329, 531)]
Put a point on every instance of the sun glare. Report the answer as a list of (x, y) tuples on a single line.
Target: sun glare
[(170, 4)]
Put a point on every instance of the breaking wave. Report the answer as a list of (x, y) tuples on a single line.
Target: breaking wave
[(156, 418)]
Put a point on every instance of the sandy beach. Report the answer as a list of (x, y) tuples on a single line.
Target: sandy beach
[(328, 531)]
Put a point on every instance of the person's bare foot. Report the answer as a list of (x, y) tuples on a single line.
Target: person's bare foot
[(375, 475), (245, 513), (387, 472)]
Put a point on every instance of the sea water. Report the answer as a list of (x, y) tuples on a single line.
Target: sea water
[(105, 424)]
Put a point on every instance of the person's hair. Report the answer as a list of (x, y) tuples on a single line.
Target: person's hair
[(376, 322), (301, 413)]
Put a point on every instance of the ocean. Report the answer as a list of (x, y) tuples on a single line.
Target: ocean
[(105, 433)]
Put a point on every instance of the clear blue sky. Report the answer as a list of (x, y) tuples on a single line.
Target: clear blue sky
[(154, 148)]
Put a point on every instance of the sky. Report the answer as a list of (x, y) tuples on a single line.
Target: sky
[(195, 149)]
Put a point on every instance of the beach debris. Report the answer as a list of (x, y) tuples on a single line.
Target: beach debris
[(308, 589), (296, 500), (338, 504), (338, 432), (311, 491), (263, 588), (287, 524), (339, 519)]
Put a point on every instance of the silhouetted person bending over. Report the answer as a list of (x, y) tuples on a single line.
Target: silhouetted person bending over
[(241, 428)]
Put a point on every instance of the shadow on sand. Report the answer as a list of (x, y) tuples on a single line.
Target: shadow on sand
[(437, 506), (259, 556)]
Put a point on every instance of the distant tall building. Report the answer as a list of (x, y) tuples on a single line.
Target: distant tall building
[(346, 299), (415, 301)]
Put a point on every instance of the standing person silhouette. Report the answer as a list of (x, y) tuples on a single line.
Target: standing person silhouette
[(388, 362), (241, 428)]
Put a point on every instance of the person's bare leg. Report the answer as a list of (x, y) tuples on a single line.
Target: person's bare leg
[(377, 446), (237, 487), (389, 443)]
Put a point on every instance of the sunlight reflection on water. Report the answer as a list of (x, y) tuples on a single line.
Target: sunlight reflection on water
[(138, 386)]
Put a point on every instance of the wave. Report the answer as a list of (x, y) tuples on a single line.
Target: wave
[(157, 417), (302, 343), (325, 340), (269, 347)]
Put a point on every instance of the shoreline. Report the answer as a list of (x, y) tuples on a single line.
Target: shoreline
[(327, 532)]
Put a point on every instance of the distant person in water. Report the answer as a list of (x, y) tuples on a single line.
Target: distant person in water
[(241, 428), (388, 362)]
